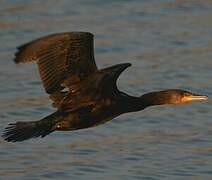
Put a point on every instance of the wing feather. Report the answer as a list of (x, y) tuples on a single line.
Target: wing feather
[(60, 56), (65, 60)]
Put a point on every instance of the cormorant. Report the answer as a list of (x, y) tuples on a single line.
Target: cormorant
[(66, 61)]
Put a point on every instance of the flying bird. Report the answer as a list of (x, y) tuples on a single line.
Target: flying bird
[(83, 95)]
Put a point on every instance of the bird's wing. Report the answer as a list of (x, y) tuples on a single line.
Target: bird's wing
[(98, 87), (110, 75), (59, 56)]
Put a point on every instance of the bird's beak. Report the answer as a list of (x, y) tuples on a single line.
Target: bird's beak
[(195, 97)]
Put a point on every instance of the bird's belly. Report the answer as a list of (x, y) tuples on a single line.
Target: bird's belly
[(102, 120), (89, 116), (75, 121)]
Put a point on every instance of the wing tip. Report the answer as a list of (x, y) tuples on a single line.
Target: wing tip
[(16, 59), (127, 64), (117, 69), (19, 53)]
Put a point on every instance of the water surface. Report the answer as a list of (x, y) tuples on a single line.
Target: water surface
[(170, 46)]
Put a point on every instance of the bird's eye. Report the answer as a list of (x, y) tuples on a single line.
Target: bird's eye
[(186, 94)]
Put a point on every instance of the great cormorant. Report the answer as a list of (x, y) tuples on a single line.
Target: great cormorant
[(66, 61)]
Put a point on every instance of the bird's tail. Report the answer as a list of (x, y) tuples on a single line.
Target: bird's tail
[(21, 131)]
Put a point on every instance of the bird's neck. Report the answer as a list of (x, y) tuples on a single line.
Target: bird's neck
[(155, 98), (146, 100)]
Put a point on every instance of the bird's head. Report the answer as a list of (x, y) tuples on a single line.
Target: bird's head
[(171, 96), (177, 96)]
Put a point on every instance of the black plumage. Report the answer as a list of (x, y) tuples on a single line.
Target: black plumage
[(66, 60)]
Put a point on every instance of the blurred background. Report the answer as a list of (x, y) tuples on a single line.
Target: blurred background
[(169, 45)]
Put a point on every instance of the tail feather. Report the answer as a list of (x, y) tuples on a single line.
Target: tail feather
[(21, 131)]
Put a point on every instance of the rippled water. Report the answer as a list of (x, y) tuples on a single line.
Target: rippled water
[(170, 46)]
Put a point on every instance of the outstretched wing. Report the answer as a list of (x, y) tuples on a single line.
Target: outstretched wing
[(59, 56)]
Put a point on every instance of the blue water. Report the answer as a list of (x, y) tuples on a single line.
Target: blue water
[(170, 46)]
